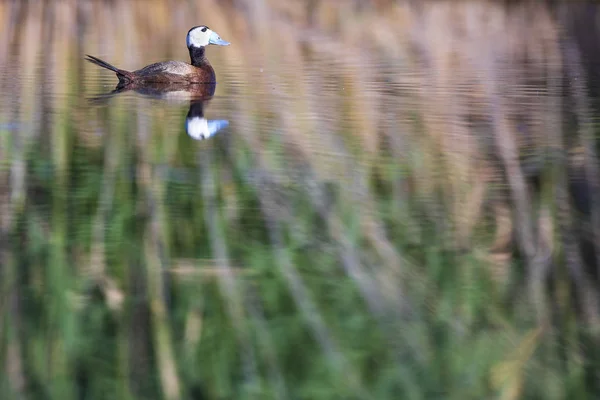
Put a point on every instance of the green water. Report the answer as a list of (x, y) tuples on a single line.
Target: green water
[(352, 225)]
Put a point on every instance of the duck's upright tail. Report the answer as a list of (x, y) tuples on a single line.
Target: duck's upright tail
[(124, 76)]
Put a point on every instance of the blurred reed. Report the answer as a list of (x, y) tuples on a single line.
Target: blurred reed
[(391, 216)]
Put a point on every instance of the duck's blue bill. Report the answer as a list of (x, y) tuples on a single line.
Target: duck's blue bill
[(216, 39)]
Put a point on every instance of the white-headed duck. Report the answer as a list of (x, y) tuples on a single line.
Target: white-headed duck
[(199, 71)]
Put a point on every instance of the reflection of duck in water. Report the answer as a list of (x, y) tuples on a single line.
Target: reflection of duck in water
[(198, 95), (170, 91), (198, 127), (199, 71)]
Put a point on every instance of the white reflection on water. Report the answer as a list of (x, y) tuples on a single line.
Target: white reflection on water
[(200, 128)]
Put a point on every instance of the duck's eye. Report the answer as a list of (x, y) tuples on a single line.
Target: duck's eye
[(204, 29)]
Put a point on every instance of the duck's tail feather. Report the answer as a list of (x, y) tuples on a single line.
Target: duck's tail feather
[(124, 76)]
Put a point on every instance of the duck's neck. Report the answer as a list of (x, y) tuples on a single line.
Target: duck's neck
[(197, 56)]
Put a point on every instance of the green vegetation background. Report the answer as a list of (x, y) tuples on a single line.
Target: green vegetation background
[(138, 266)]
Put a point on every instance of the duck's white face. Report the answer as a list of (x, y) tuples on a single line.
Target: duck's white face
[(201, 36)]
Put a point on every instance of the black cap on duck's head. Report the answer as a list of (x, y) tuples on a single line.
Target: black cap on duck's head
[(201, 36)]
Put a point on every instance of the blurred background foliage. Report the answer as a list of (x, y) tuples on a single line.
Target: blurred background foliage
[(405, 205)]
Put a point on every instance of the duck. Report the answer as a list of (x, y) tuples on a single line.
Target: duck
[(173, 72)]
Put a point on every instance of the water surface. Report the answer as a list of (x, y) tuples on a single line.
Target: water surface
[(378, 201)]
